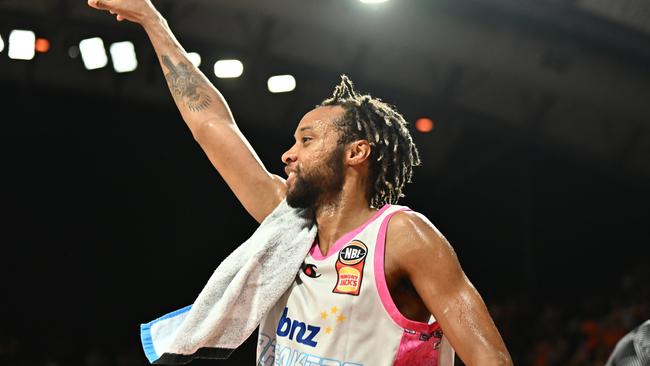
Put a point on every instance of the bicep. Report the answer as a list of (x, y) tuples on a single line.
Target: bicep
[(462, 315), (433, 268), (234, 158)]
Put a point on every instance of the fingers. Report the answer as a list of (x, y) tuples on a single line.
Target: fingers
[(102, 5), (95, 4), (99, 4)]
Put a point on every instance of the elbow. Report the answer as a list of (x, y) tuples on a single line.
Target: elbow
[(201, 130), (205, 130), (504, 360)]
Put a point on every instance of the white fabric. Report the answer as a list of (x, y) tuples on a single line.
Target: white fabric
[(238, 294)]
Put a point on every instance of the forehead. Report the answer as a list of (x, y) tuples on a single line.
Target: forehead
[(320, 118)]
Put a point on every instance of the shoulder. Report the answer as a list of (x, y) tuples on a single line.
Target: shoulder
[(407, 225), (411, 238)]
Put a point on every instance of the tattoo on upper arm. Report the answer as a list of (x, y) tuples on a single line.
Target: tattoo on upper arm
[(187, 84)]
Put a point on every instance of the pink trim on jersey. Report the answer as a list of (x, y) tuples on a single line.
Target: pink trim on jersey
[(382, 287), (315, 252)]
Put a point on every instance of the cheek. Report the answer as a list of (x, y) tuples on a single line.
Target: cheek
[(313, 157)]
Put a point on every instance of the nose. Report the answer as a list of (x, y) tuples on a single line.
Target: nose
[(289, 156)]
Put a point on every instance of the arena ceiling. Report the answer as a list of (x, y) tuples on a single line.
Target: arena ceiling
[(570, 76)]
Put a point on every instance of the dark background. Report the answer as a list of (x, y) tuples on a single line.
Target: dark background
[(112, 215)]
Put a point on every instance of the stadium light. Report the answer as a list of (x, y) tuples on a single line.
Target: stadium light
[(424, 125), (195, 58), (42, 45), (123, 56), (373, 1), (21, 44), (228, 69), (281, 83), (93, 53), (73, 51), (2, 43)]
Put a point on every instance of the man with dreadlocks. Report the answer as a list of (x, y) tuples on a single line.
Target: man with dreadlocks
[(381, 285)]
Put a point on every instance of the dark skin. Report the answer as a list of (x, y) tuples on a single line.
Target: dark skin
[(422, 270)]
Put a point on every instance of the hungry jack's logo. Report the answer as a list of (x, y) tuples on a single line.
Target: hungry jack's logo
[(349, 268)]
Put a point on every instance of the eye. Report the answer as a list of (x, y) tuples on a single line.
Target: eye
[(306, 139)]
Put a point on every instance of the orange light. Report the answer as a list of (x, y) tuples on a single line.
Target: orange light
[(42, 45), (424, 125)]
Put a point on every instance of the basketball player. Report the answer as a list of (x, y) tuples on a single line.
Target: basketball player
[(381, 284)]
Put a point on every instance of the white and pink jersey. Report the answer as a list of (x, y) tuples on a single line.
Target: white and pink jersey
[(339, 312)]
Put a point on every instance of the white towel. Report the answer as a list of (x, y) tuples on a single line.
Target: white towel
[(238, 294)]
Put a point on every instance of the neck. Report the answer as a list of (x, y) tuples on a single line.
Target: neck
[(338, 215)]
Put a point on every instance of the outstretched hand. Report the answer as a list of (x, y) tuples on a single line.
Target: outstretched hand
[(133, 10)]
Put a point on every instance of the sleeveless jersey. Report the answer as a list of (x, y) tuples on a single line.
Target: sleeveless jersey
[(339, 311)]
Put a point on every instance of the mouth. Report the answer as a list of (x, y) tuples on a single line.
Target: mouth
[(291, 174), (290, 178)]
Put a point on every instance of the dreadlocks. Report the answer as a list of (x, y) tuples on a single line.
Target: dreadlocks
[(393, 153)]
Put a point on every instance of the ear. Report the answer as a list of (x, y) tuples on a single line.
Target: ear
[(357, 152)]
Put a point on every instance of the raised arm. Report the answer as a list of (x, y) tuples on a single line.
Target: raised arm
[(431, 265), (205, 112)]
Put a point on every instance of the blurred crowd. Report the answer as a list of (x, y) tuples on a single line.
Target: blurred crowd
[(572, 330)]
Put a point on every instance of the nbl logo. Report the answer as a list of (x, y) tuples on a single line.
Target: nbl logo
[(353, 253)]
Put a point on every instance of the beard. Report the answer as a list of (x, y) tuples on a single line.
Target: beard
[(324, 179)]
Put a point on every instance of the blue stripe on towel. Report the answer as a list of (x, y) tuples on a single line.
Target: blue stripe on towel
[(145, 333), (147, 342)]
